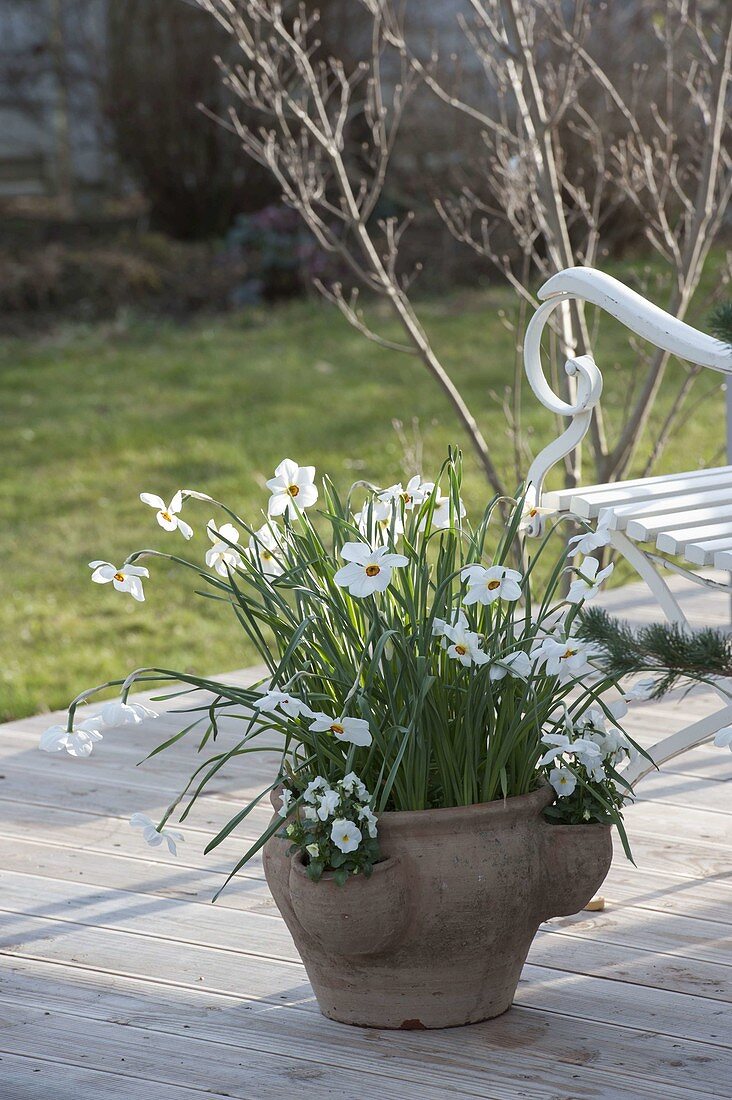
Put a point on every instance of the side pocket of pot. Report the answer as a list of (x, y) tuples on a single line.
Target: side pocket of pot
[(576, 861), (365, 916)]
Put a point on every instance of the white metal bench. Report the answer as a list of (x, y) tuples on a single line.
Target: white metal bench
[(686, 515)]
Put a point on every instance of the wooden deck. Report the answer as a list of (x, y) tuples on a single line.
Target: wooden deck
[(120, 980)]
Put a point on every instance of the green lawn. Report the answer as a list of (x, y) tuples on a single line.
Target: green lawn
[(92, 417)]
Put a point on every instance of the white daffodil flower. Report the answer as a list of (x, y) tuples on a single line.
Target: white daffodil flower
[(494, 583), (285, 802), (78, 742), (591, 540), (223, 558), (282, 700), (167, 514), (125, 579), (351, 784), (461, 644), (565, 659), (328, 803), (516, 664), (366, 814), (345, 835), (368, 570), (227, 532), (587, 584), (384, 520), (531, 519), (723, 739), (117, 713), (563, 781), (312, 850), (411, 496), (263, 547), (314, 787), (293, 489), (154, 836), (443, 514), (354, 731)]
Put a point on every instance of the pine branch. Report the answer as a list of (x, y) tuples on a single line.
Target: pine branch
[(720, 322), (670, 652)]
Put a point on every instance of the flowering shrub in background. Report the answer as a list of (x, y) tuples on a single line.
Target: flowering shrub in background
[(412, 664)]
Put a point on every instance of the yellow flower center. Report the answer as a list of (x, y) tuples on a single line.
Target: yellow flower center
[(337, 728), (293, 490), (569, 653), (166, 516), (461, 650), (493, 585), (407, 498), (372, 570), (119, 576), (265, 555)]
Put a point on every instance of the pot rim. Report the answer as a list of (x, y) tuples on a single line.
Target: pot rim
[(517, 806)]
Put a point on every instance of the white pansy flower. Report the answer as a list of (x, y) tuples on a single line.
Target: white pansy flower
[(77, 742), (463, 644), (154, 836), (309, 813), (516, 664), (368, 570), (367, 815), (262, 548), (117, 713), (591, 540), (559, 743), (313, 788), (382, 517), (723, 739), (345, 835), (312, 850), (587, 585), (494, 583), (563, 781), (282, 700), (586, 751), (328, 803), (293, 489), (410, 496), (351, 784), (286, 797), (128, 578), (354, 731), (167, 514)]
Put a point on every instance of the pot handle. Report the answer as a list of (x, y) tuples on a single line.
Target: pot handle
[(576, 860)]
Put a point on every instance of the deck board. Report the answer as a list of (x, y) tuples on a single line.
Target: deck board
[(119, 979)]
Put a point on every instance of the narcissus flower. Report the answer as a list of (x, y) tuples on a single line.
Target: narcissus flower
[(263, 547), (368, 570), (154, 836), (591, 540), (78, 742), (563, 781), (125, 579), (587, 584), (513, 664), (293, 489), (345, 835), (117, 713), (410, 496), (380, 518), (222, 557), (565, 659), (494, 583), (167, 514), (354, 731), (462, 644), (282, 700)]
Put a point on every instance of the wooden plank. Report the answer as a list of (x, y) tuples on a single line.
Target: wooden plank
[(642, 510), (32, 1077), (638, 488), (464, 1056)]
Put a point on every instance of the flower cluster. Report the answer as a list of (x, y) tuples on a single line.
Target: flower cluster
[(332, 828), (407, 652), (584, 748)]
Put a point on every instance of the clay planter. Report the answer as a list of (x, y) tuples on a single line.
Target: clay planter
[(437, 936)]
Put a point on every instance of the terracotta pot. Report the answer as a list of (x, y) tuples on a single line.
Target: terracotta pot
[(439, 933)]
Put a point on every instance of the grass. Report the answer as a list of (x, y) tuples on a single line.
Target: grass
[(91, 417)]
